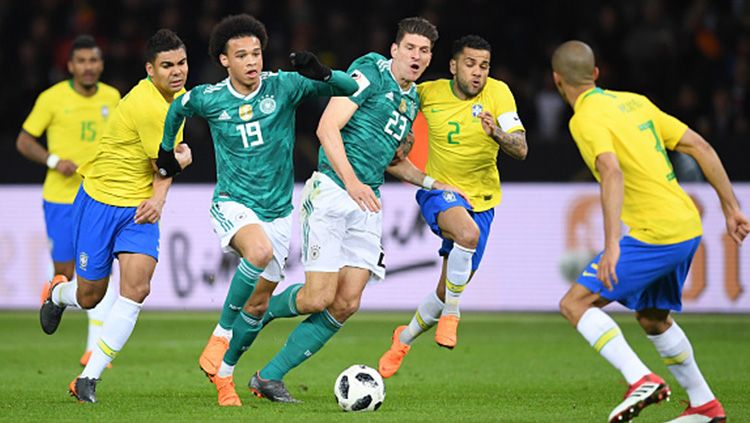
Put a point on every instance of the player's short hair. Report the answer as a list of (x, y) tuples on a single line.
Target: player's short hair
[(163, 40), (235, 26), (417, 25), (471, 41), (83, 41)]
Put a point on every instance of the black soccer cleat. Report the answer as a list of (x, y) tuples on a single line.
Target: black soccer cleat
[(84, 389), (50, 314), (273, 390)]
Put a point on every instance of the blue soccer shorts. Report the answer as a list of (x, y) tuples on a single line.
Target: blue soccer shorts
[(433, 202), (58, 218), (102, 231), (650, 276)]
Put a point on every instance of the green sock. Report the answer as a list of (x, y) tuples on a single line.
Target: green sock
[(242, 286), (306, 339), (244, 331), (283, 305)]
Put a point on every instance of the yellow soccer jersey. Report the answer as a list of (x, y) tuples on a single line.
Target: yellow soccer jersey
[(74, 126), (655, 207), (121, 173), (459, 152)]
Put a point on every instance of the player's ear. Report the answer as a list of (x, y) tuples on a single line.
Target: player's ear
[(224, 60), (70, 66), (150, 69), (596, 73), (394, 49), (452, 65)]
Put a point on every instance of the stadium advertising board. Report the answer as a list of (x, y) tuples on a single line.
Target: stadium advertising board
[(541, 235)]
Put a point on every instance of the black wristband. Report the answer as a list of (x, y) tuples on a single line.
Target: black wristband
[(167, 163)]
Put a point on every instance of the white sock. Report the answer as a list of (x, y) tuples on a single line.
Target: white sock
[(225, 370), (675, 349), (225, 333), (115, 333), (427, 315), (64, 294), (456, 276), (98, 315), (605, 336)]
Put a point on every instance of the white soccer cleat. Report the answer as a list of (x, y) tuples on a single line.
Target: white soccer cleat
[(710, 412), (650, 389)]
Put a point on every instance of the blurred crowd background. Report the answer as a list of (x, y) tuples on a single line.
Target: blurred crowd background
[(691, 57)]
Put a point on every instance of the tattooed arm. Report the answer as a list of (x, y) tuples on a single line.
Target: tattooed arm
[(513, 144)]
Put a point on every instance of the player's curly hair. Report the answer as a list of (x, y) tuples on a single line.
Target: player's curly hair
[(471, 41), (235, 26), (81, 42), (163, 40), (417, 25)]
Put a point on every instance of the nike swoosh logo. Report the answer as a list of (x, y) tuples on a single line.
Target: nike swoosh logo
[(589, 274), (435, 111)]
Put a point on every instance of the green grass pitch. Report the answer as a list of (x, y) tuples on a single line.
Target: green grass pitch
[(507, 367)]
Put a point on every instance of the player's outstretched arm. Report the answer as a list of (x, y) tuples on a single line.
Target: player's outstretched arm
[(694, 145), (612, 193), (335, 116), (29, 147), (513, 144), (337, 83), (405, 170), (166, 163)]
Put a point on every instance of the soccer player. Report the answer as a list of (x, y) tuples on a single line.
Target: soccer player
[(341, 217), (469, 117), (73, 113), (251, 116), (118, 207), (623, 139)]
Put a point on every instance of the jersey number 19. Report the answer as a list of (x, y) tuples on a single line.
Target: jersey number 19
[(251, 130)]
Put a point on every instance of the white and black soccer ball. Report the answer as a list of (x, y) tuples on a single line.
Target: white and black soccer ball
[(359, 388)]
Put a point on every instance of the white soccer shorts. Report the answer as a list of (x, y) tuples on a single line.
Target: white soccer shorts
[(228, 217), (336, 232)]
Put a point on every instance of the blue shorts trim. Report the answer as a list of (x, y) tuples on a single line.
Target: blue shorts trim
[(434, 202), (102, 231), (651, 276), (58, 218)]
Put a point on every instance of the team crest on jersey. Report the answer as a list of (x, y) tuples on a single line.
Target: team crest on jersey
[(476, 110), (83, 261), (268, 105), (246, 112), (314, 252), (449, 197), (105, 111), (402, 106)]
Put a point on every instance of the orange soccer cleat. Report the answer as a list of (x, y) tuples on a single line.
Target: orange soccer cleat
[(225, 388), (445, 334), (213, 354), (391, 360)]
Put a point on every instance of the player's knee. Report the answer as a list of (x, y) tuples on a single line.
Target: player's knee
[(137, 293), (260, 256), (654, 323), (344, 309), (319, 304), (569, 308), (88, 300), (468, 237)]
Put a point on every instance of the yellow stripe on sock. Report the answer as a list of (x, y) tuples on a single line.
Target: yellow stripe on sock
[(608, 335), (456, 289), (96, 322), (106, 349), (678, 359), (595, 266), (420, 321)]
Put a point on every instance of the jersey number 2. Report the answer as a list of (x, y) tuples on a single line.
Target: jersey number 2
[(251, 130)]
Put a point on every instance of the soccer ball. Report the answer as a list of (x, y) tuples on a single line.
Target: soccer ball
[(359, 388)]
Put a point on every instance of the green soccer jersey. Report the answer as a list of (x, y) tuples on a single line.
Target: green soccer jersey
[(253, 135), (384, 117)]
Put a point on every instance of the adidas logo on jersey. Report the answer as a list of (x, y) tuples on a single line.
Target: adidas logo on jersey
[(389, 95), (224, 116)]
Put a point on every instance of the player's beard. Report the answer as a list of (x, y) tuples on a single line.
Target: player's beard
[(466, 88)]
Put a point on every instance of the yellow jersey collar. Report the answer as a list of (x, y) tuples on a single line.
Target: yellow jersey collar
[(584, 95)]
